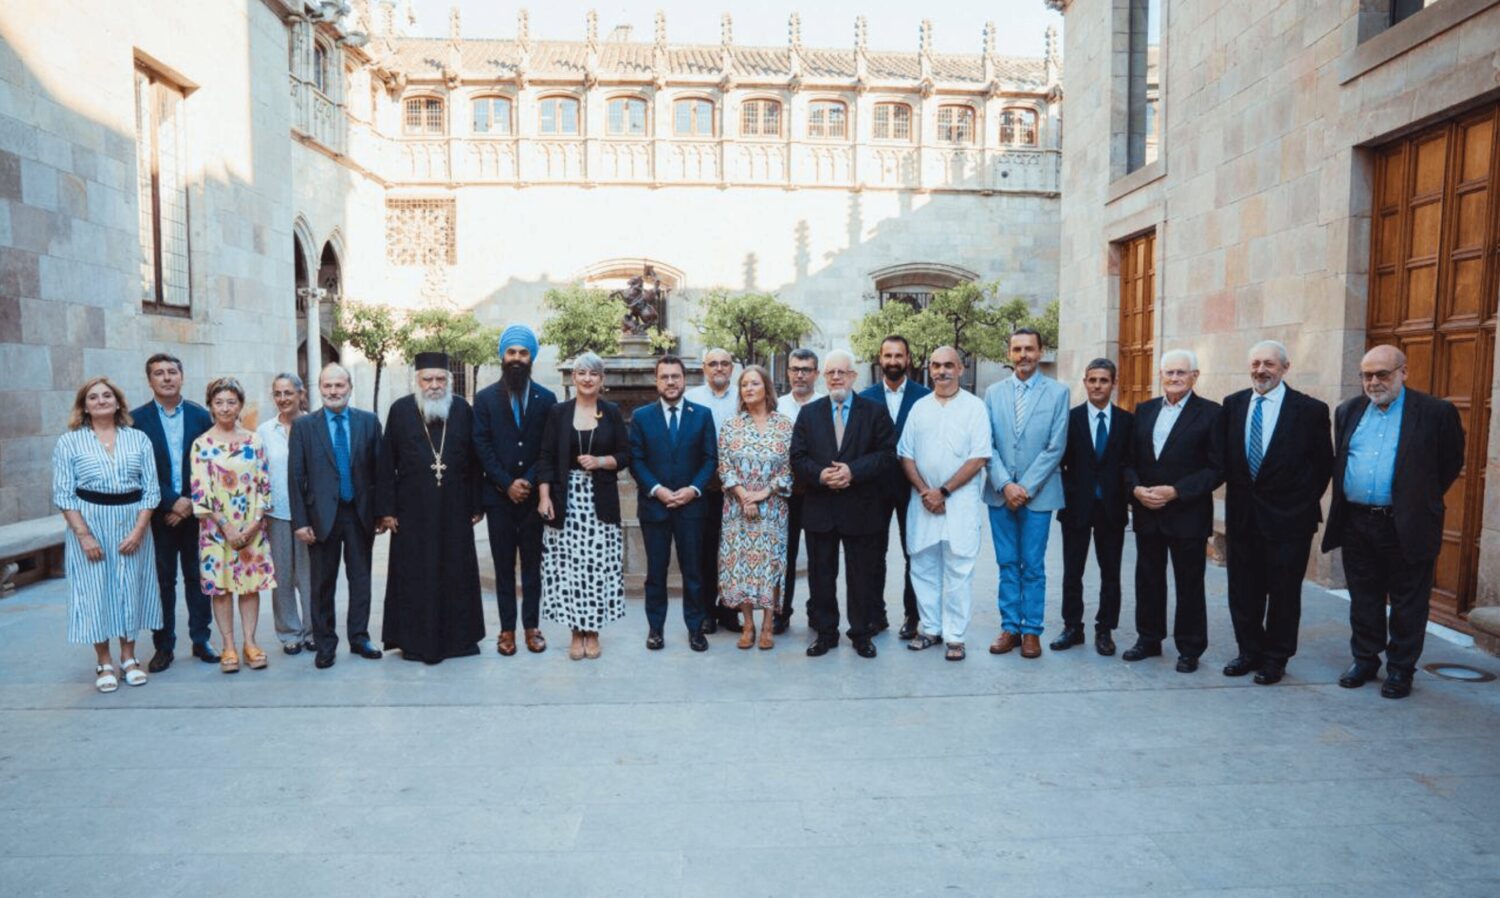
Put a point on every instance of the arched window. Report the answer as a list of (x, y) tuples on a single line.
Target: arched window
[(693, 118), (424, 117), (320, 67), (492, 116), (627, 116), (760, 118), (558, 115), (827, 118), (892, 121), (955, 124), (1018, 127)]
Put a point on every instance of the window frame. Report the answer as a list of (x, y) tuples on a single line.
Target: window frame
[(320, 59), (692, 133), (422, 129), (938, 136), (154, 298), (627, 100), (489, 100), (891, 121), (541, 106), (1015, 127), (762, 103), (825, 105)]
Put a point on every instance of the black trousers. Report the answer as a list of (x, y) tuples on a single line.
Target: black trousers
[(708, 568), (1109, 544), (1376, 570), (862, 564), (1265, 592), (659, 537), (177, 547), (793, 548), (516, 531), (1189, 561), (354, 543), (908, 595)]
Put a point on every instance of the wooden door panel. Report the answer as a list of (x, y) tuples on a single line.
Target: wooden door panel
[(1431, 166), (1137, 319)]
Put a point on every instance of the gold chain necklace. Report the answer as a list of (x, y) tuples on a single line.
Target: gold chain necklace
[(437, 465)]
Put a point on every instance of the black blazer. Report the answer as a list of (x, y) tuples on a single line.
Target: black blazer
[(504, 451), (1285, 500), (897, 488), (195, 420), (1192, 460), (610, 438), (1429, 457), (1082, 470), (312, 474), (869, 450)]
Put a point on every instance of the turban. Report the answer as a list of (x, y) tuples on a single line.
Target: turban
[(519, 335)]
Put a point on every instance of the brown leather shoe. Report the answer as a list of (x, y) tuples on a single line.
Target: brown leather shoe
[(1031, 646), (535, 642), (1006, 642), (506, 644)]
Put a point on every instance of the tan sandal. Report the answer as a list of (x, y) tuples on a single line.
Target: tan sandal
[(229, 660), (766, 641), (591, 646), (255, 659)]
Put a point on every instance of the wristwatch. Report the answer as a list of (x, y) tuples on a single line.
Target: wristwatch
[(944, 491)]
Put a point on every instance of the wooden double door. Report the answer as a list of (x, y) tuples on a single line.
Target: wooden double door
[(1434, 281)]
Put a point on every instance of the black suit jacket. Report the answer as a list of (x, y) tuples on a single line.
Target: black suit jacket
[(195, 420), (610, 438), (1192, 461), (1082, 470), (897, 488), (869, 449), (1429, 457), (1285, 499), (312, 474), (505, 451)]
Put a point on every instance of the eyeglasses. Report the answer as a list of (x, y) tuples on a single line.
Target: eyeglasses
[(838, 372), (1175, 373), (720, 364), (802, 369), (1368, 376)]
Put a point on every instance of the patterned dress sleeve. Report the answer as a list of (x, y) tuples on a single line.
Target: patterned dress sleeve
[(63, 479), (729, 474), (260, 482), (202, 484), (781, 444), (150, 486)]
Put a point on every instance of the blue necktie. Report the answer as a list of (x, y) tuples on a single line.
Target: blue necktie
[(341, 455), (1253, 452), (672, 425), (515, 407), (1101, 439)]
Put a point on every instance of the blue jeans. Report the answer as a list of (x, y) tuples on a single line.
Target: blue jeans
[(1020, 539)]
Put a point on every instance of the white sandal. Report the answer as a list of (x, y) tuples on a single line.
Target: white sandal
[(106, 681), (134, 676)]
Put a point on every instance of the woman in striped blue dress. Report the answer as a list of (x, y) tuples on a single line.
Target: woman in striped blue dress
[(104, 482)]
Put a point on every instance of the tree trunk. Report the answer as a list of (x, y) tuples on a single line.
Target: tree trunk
[(375, 400)]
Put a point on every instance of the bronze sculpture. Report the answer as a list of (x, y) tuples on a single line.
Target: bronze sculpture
[(645, 299)]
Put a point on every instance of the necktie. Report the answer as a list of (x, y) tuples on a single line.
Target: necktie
[(1020, 404), (1253, 452), (341, 455), (839, 412), (1101, 439), (672, 425), (515, 407)]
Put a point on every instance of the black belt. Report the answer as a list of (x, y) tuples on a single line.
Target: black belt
[(1382, 510), (94, 498)]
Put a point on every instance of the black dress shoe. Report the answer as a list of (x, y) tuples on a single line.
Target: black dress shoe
[(820, 646), (1270, 673), (1104, 644), (865, 648), (1069, 637), (1187, 665), (205, 653), (1241, 665), (1397, 684), (160, 661), (1358, 674), (698, 642), (1142, 650), (365, 649), (654, 640), (324, 659), (710, 625), (908, 629), (291, 648), (779, 625), (309, 646)]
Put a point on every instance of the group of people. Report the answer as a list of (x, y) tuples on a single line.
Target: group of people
[(733, 478)]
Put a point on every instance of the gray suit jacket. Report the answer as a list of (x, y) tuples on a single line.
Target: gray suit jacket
[(1030, 458), (313, 474)]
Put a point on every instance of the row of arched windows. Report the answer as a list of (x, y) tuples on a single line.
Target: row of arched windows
[(694, 117)]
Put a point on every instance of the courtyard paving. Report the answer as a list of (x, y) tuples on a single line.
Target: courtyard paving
[(745, 773)]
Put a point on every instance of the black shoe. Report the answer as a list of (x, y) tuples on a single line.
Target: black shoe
[(1241, 665), (908, 629), (865, 648), (779, 625), (1069, 637), (820, 646), (205, 653), (710, 626), (291, 648), (160, 661), (1104, 644), (309, 646), (1186, 664), (1142, 650), (698, 642), (365, 649), (1358, 674), (325, 659), (654, 641), (1270, 673), (1397, 684)]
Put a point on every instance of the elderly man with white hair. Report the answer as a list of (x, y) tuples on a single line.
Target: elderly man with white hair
[(1176, 463)]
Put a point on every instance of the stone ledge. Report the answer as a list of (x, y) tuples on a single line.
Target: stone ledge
[(1408, 35)]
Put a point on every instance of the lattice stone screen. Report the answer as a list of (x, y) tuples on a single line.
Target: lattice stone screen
[(421, 232)]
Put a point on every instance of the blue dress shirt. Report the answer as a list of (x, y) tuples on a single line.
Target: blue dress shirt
[(1371, 465), (171, 427)]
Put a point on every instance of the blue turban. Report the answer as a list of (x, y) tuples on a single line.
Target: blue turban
[(519, 335)]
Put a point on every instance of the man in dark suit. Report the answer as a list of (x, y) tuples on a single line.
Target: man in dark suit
[(843, 447), (171, 423), (1176, 461), (509, 417), (674, 453), (1277, 456), (1398, 452), (333, 457), (898, 393), (1093, 474)]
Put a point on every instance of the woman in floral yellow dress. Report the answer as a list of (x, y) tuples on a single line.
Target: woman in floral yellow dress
[(231, 496)]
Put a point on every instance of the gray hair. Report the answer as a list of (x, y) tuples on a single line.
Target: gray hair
[(287, 375), (1188, 354), (336, 368), (589, 361), (839, 355), (802, 353), (713, 349), (1276, 345)]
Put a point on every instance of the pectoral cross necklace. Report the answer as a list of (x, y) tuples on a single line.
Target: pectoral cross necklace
[(437, 465)]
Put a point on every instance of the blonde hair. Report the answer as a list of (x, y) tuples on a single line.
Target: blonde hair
[(769, 400), (79, 417)]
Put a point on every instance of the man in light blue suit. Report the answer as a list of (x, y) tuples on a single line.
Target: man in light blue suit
[(1029, 427)]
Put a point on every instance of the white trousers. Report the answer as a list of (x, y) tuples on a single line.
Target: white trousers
[(942, 580)]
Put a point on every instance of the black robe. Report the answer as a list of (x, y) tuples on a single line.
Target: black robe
[(433, 608)]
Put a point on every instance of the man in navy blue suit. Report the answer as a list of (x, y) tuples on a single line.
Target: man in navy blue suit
[(674, 449), (509, 417), (171, 423)]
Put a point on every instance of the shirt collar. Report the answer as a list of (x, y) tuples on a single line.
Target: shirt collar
[(1095, 411), (168, 414), (897, 391), (1275, 395), (1179, 405), (1396, 404), (666, 407), (335, 415)]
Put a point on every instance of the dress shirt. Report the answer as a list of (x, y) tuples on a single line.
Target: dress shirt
[(1270, 410), (723, 405), (789, 406), (171, 426), (940, 438), (1371, 465), (329, 416), (1165, 419), (1109, 419), (273, 436), (893, 397)]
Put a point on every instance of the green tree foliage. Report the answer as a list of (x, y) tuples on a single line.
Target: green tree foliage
[(459, 334), (583, 320), (965, 317), (378, 331), (752, 326)]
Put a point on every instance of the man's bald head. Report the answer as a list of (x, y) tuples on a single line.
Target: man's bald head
[(944, 368), (1382, 374)]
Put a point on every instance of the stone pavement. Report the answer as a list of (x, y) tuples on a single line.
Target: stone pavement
[(745, 773)]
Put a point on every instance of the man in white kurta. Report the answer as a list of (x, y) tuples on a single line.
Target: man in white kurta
[(945, 444)]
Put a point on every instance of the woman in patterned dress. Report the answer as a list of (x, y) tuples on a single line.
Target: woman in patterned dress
[(584, 445), (104, 483), (756, 470), (231, 486)]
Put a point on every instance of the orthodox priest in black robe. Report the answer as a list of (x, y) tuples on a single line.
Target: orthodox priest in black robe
[(428, 497)]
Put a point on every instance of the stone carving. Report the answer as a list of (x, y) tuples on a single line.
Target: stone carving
[(645, 302)]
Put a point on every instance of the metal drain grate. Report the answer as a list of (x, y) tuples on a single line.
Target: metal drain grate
[(1461, 672)]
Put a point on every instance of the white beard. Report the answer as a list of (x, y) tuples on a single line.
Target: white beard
[(435, 409), (838, 395)]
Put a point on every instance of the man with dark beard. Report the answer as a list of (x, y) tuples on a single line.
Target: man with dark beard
[(427, 497), (509, 417)]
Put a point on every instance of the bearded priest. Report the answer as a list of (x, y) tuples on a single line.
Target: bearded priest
[(427, 496)]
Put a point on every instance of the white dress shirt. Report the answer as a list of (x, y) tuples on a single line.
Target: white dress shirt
[(789, 406), (273, 437), (893, 397), (1109, 419), (1270, 410), (1165, 420), (941, 438)]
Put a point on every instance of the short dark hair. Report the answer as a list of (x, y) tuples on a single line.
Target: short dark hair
[(163, 357), (1104, 364), (1023, 331), (669, 359), (897, 338), (224, 385), (802, 353)]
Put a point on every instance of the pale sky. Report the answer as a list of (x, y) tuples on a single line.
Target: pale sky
[(893, 24)]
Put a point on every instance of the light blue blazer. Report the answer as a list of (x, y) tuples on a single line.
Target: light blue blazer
[(1030, 458)]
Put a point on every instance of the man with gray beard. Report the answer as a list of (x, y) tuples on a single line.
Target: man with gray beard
[(427, 496)]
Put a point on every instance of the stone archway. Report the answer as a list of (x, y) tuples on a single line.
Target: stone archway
[(612, 274)]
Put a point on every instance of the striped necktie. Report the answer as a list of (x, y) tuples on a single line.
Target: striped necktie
[(1253, 452), (1021, 391)]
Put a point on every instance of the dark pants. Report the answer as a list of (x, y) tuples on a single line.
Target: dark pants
[(659, 537), (793, 547), (1189, 561), (1265, 592), (862, 564), (517, 530), (708, 555), (1375, 569), (909, 595), (354, 543), (1109, 543), (178, 547)]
